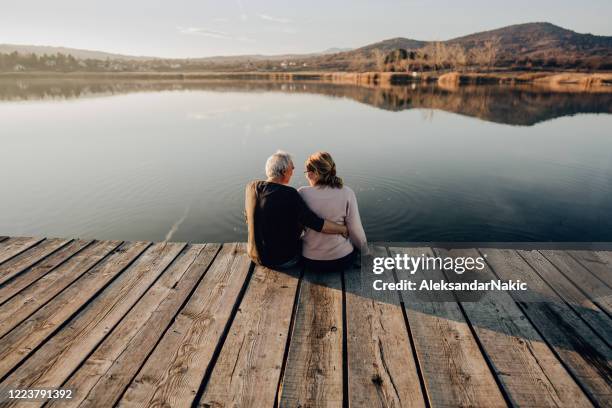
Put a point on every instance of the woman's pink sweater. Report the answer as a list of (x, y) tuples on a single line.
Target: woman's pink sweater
[(338, 205)]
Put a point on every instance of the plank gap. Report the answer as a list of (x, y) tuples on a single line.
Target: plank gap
[(226, 330), (76, 312), (279, 389), (502, 389), (34, 273), (577, 308), (415, 356), (581, 262), (8, 252), (35, 263), (118, 322), (545, 339), (345, 367)]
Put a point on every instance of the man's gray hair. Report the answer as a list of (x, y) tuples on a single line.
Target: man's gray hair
[(278, 164)]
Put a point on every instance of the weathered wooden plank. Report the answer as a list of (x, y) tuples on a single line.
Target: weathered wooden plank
[(3, 239), (593, 287), (20, 341), (381, 367), (14, 246), (18, 264), (526, 367), (10, 289), (108, 371), (584, 354), (313, 373), (565, 276), (173, 373), (607, 257), (454, 370), (248, 370), (598, 263), (51, 365), (17, 309)]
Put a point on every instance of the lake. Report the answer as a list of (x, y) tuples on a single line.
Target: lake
[(155, 160)]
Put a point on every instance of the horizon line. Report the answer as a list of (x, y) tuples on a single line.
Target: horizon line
[(279, 54)]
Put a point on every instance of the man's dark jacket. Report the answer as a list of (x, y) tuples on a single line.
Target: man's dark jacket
[(276, 215)]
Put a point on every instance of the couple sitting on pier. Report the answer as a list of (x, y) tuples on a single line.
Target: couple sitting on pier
[(318, 224)]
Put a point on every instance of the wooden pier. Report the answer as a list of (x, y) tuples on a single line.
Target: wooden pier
[(181, 325)]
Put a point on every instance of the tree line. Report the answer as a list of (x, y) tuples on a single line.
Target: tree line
[(439, 56), (21, 62), (15, 62), (435, 56)]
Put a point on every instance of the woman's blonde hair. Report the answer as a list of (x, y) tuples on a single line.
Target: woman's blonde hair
[(322, 164)]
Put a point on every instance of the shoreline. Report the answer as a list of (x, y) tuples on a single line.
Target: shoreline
[(450, 79)]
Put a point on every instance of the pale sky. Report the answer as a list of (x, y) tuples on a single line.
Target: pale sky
[(197, 28)]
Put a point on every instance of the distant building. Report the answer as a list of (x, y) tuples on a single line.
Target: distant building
[(19, 67)]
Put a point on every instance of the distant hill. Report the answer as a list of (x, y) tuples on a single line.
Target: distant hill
[(532, 36), (538, 39), (100, 55), (521, 38), (75, 52), (534, 41), (523, 46), (391, 44), (334, 50), (262, 57)]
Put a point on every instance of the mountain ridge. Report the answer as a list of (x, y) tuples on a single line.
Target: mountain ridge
[(545, 43), (82, 53), (75, 52)]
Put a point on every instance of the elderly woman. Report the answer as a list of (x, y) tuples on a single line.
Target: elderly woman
[(276, 214), (329, 198)]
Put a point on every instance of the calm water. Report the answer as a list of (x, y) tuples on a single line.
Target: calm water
[(146, 161)]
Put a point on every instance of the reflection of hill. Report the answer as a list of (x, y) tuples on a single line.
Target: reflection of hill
[(515, 105)]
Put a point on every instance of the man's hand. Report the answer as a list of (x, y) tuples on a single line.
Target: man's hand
[(345, 234), (330, 227)]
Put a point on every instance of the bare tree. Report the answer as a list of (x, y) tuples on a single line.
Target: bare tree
[(430, 55), (379, 59), (478, 56), (490, 51), (442, 54), (458, 57), (404, 65), (438, 54), (358, 63), (421, 58)]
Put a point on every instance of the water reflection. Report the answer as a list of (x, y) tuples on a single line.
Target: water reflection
[(170, 159), (523, 105)]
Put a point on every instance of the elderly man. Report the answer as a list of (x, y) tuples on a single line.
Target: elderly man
[(277, 214)]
